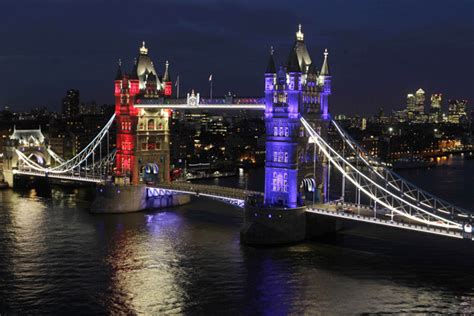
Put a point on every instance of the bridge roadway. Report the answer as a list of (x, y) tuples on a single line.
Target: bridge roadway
[(70, 177), (366, 214), (347, 211)]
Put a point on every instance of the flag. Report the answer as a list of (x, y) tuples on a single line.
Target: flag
[(210, 77), (177, 81)]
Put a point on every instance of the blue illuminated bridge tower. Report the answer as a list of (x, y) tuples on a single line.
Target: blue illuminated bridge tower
[(294, 172)]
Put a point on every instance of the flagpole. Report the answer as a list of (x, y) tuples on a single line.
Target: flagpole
[(177, 90), (210, 86), (211, 89)]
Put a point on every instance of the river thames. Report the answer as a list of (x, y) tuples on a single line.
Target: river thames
[(57, 258)]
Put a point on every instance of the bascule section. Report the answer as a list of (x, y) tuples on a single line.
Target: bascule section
[(294, 171), (142, 133)]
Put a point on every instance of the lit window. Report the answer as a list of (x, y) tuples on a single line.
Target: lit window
[(286, 158), (281, 131), (275, 131), (287, 132)]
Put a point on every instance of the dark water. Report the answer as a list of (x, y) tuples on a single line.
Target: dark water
[(55, 257)]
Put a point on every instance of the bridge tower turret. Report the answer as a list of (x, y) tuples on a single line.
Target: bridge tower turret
[(168, 86), (325, 82), (270, 81), (126, 89), (281, 123)]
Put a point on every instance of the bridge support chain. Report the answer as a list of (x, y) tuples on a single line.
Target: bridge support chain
[(273, 226)]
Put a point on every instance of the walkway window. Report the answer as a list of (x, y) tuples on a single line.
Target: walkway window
[(151, 124)]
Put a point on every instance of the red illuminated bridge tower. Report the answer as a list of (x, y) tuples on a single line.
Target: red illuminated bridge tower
[(142, 134)]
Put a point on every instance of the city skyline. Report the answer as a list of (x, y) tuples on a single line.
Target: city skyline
[(84, 55)]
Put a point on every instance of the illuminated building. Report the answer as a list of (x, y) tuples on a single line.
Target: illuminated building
[(435, 108), (420, 101), (411, 106), (436, 100), (457, 111), (71, 103), (363, 124), (294, 89), (142, 135)]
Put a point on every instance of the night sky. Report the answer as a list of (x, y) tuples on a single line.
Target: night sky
[(378, 50)]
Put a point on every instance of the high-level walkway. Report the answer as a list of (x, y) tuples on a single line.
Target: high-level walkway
[(230, 195)]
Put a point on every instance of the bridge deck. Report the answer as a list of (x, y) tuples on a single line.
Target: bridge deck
[(79, 178), (366, 215)]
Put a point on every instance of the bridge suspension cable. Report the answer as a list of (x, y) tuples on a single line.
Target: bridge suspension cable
[(398, 183), (76, 161), (378, 192)]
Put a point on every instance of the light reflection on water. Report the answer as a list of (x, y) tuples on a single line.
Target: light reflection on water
[(56, 257)]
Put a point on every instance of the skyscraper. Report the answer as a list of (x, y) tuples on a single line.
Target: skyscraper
[(71, 103), (436, 100), (435, 108), (420, 101), (410, 106), (457, 111)]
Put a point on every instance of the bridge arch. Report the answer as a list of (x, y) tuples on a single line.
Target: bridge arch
[(308, 188)]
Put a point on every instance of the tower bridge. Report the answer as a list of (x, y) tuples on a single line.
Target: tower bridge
[(304, 150)]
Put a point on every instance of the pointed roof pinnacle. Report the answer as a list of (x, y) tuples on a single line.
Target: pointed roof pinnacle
[(293, 65), (166, 76), (325, 67), (271, 69), (134, 74), (119, 74), (143, 49), (299, 34)]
